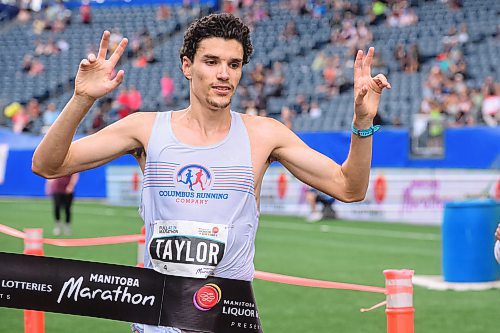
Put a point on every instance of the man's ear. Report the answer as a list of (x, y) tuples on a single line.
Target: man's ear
[(186, 67)]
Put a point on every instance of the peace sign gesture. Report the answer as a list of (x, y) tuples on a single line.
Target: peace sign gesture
[(367, 89), (94, 78)]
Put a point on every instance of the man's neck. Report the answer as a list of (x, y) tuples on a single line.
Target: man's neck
[(201, 126), (207, 119)]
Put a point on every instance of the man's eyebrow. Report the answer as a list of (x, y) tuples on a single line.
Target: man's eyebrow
[(209, 56), (214, 57)]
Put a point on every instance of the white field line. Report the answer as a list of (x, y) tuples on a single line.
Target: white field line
[(280, 225), (350, 231)]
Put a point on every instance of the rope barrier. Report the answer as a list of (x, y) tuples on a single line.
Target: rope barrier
[(298, 281), (272, 277), (76, 241)]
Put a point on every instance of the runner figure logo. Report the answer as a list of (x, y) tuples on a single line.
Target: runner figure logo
[(195, 176)]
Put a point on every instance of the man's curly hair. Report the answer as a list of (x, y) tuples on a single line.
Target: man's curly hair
[(223, 25)]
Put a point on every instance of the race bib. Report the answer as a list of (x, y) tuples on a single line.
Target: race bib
[(187, 248)]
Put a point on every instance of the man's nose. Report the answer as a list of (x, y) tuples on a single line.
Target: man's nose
[(223, 73)]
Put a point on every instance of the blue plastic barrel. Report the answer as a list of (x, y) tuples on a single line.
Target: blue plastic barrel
[(468, 240)]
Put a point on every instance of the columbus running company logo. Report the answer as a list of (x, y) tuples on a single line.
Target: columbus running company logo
[(195, 177), (207, 297)]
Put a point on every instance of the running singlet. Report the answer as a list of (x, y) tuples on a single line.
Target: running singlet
[(198, 204)]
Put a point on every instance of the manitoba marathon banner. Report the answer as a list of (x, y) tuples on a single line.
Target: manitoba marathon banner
[(126, 293)]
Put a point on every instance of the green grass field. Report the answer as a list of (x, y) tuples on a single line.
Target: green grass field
[(342, 251)]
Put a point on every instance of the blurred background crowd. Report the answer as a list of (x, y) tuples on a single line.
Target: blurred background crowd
[(440, 56)]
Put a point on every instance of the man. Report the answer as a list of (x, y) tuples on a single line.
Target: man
[(231, 151), (313, 197)]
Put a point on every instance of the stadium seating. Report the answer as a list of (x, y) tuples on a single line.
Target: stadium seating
[(55, 83)]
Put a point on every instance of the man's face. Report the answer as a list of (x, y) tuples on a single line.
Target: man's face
[(215, 71)]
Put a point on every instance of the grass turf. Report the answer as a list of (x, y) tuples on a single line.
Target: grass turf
[(352, 252)]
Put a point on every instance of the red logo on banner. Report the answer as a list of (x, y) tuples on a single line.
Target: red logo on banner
[(207, 297), (497, 190), (282, 185), (380, 189)]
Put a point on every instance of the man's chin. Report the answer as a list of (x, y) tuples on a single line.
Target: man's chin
[(219, 104)]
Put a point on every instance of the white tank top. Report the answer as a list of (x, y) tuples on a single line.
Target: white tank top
[(209, 184)]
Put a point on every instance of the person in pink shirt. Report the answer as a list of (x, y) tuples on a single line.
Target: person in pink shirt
[(167, 88)]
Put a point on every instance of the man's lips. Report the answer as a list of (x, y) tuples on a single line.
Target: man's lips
[(222, 89)]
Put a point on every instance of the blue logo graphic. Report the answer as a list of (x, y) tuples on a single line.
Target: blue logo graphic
[(194, 175)]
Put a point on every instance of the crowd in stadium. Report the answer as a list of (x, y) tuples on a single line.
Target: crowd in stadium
[(448, 97)]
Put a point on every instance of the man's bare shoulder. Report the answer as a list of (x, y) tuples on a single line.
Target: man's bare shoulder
[(146, 115), (261, 124), (139, 120)]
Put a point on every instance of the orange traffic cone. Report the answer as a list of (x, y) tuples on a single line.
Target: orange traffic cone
[(399, 310), (34, 321)]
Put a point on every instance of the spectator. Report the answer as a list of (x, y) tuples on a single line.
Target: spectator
[(454, 5), (435, 128), (24, 15), (463, 34), (378, 62), (49, 116), (300, 106), (491, 104), (62, 192), (167, 89), (123, 103), (290, 31), (163, 13), (257, 75), (98, 121), (27, 63), (86, 12), (396, 121), (400, 56), (114, 39), (413, 59), (313, 197), (142, 60), (287, 117), (36, 67), (134, 99), (20, 120), (378, 12), (319, 62), (315, 111), (62, 45), (251, 109), (273, 80)]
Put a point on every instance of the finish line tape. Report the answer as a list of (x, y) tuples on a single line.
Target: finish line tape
[(285, 279)]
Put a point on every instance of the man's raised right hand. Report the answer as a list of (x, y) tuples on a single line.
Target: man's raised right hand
[(94, 78)]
